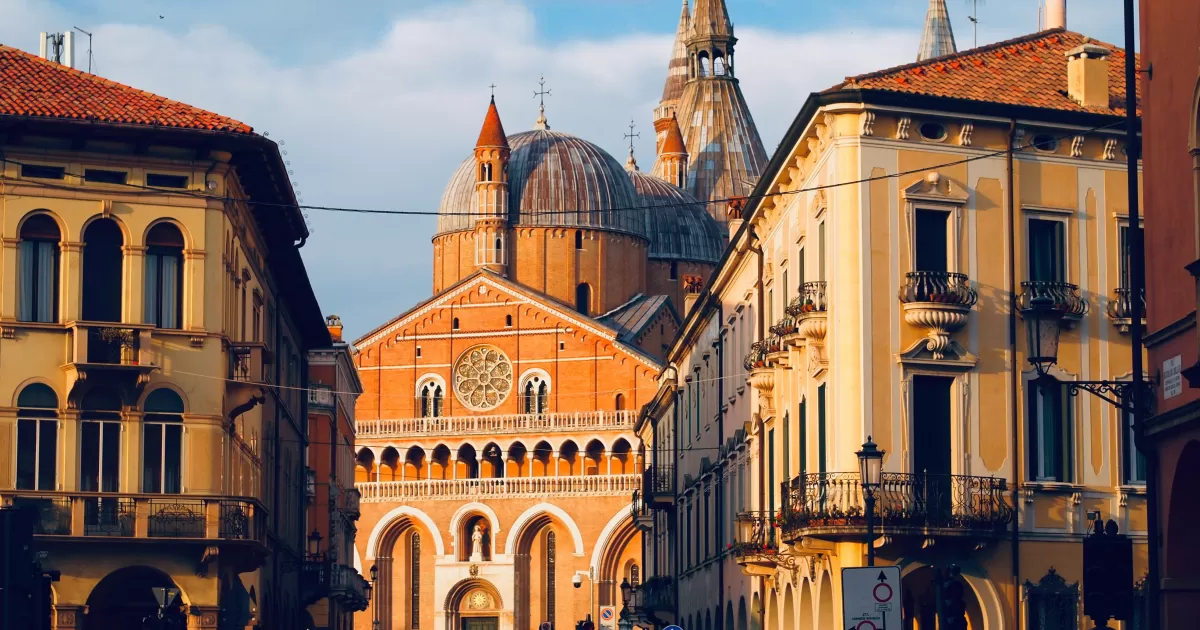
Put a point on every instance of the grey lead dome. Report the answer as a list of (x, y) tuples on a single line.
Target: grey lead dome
[(554, 180), (680, 227)]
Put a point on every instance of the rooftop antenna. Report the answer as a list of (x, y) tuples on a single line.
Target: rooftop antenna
[(89, 36), (541, 93), (974, 17)]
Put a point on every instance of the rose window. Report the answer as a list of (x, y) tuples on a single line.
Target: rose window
[(483, 377)]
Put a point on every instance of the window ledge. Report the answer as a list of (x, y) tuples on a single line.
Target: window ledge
[(1134, 488), (1052, 486)]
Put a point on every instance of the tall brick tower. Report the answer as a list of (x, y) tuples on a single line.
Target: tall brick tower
[(491, 194)]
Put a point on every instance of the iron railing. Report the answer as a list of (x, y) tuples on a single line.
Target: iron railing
[(656, 595), (659, 479), (810, 300), (53, 514), (112, 345), (242, 520), (176, 518), (754, 535), (1064, 296), (938, 287), (917, 502), (757, 357), (784, 327), (1123, 306), (108, 516)]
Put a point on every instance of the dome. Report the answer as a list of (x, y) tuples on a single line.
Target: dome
[(554, 180), (679, 226)]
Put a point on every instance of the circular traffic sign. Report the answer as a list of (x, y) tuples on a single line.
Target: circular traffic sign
[(866, 624), (672, 628), (882, 586), (606, 614)]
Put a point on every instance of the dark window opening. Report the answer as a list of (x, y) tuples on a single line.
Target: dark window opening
[(583, 298), (100, 176), (508, 321), (821, 413), (103, 261), (1046, 253), (454, 324), (158, 180), (38, 260), (674, 271), (37, 438), (578, 239), (432, 399), (551, 576), (43, 172), (164, 276), (932, 249), (414, 579), (100, 441), (1050, 433)]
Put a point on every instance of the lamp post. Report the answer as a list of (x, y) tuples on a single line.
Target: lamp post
[(870, 471), (624, 622), (314, 543), (374, 605)]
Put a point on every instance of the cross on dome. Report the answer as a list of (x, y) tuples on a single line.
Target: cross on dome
[(631, 163), (541, 93)]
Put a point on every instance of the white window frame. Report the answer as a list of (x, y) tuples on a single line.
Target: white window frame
[(1071, 462), (1048, 214)]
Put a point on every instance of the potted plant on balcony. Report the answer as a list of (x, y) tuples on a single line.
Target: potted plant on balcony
[(123, 337)]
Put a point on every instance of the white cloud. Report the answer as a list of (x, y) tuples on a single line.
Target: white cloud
[(385, 124)]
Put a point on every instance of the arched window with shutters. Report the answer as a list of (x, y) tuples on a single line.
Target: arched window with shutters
[(164, 276), (103, 264), (37, 269), (37, 438), (162, 442), (100, 441), (414, 581)]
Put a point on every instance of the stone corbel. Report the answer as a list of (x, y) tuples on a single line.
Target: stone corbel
[(964, 137), (903, 128), (1110, 149), (1077, 146), (868, 124)]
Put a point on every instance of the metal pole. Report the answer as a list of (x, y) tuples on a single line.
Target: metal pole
[(870, 528), (1138, 282)]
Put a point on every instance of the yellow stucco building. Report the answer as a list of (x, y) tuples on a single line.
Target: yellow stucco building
[(150, 284), (873, 289)]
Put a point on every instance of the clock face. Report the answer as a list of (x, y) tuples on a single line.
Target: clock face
[(479, 600)]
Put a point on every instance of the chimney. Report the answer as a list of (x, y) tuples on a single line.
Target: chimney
[(1087, 75), (334, 324), (1056, 14), (692, 286)]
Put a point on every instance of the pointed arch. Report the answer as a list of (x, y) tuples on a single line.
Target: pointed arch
[(510, 545), (396, 514), (606, 535)]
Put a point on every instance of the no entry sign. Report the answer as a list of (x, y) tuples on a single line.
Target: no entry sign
[(871, 598)]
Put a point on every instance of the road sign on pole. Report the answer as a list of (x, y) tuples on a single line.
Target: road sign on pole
[(871, 598), (608, 616)]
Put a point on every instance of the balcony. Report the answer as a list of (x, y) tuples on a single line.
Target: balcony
[(490, 425), (470, 489), (831, 506), (757, 358), (810, 309), (643, 516), (177, 518), (756, 548), (351, 504), (939, 302), (347, 586), (659, 485), (1122, 306), (1064, 297), (117, 355), (652, 603)]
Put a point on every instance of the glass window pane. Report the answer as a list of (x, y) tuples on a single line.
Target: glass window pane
[(152, 458), (173, 458), (89, 457), (47, 454), (152, 294), (26, 453), (111, 457)]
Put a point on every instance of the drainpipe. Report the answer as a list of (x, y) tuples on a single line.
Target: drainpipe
[(719, 346), (1015, 373)]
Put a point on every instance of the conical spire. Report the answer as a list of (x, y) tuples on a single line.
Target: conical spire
[(677, 69), (710, 19), (492, 134), (938, 38)]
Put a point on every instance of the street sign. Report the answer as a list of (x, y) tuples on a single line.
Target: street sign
[(871, 598), (608, 616)]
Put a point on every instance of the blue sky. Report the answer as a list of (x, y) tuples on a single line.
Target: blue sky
[(378, 102)]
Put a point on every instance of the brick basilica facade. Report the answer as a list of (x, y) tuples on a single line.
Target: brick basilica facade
[(496, 452)]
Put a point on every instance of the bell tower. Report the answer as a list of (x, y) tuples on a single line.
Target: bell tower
[(491, 194)]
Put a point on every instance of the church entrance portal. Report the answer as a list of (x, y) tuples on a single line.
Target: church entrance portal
[(480, 623)]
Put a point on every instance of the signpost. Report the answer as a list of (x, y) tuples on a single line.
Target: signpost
[(608, 617), (871, 598)]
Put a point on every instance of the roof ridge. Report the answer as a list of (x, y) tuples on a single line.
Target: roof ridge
[(109, 83), (965, 53)]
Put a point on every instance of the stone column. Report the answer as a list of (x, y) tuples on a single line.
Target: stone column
[(68, 617), (135, 284), (70, 281)]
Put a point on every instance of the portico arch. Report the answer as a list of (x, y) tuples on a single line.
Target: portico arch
[(510, 545), (397, 547), (473, 597)]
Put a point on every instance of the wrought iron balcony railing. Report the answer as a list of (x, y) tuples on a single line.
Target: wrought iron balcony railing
[(1123, 307), (493, 424), (832, 505), (754, 535), (809, 301), (658, 485), (757, 357), (1064, 295), (938, 287), (656, 596), (785, 327), (143, 516)]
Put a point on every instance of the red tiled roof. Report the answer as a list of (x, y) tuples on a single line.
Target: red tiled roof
[(674, 140), (1028, 71), (492, 134), (32, 86)]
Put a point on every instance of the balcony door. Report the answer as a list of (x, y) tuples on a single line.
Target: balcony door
[(931, 412)]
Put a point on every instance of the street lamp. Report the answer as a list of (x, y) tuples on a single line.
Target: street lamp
[(1043, 325), (626, 592), (624, 622), (870, 471), (314, 543), (374, 606)]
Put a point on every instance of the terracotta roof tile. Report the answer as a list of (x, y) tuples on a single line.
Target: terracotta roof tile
[(1003, 73), (492, 134), (32, 86)]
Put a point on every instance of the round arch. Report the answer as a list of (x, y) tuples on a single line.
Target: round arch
[(789, 608), (188, 243), (153, 387), (806, 606), (125, 234), (456, 593), (991, 606), (772, 600), (510, 545), (825, 612), (396, 514), (124, 597), (1194, 138), (62, 225), (32, 381), (466, 510)]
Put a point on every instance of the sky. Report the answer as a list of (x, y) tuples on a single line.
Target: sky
[(376, 102)]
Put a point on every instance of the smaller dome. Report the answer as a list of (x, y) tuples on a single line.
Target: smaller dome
[(679, 226)]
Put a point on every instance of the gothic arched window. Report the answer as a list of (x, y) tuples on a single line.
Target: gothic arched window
[(414, 581), (37, 438), (432, 397), (536, 393), (551, 572)]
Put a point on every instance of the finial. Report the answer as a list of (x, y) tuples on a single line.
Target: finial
[(493, 86), (541, 93), (631, 163)]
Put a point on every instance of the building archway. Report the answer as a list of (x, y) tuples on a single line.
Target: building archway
[(773, 610), (125, 599), (742, 618), (789, 609), (404, 546), (920, 604), (473, 604), (806, 606), (1181, 552), (825, 614)]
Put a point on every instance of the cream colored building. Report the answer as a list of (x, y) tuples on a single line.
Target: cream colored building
[(878, 269), (147, 313)]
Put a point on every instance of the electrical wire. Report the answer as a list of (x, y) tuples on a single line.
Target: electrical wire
[(590, 212)]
